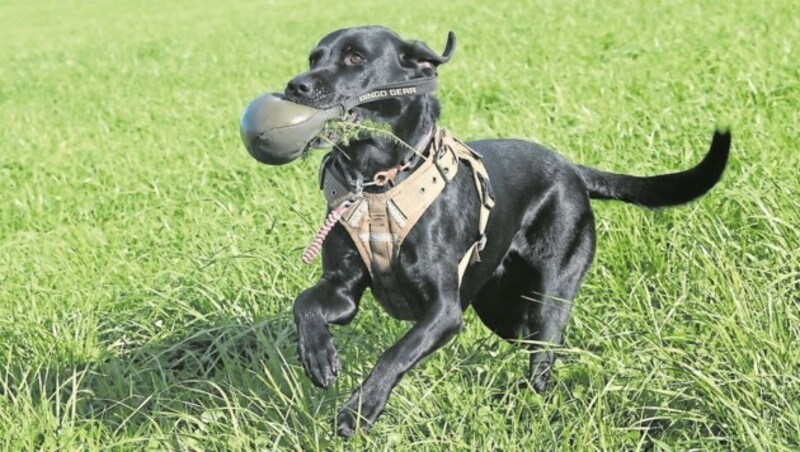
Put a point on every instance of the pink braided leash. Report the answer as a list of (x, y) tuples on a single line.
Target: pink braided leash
[(330, 221)]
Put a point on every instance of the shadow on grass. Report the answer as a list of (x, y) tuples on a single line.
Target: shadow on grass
[(226, 376)]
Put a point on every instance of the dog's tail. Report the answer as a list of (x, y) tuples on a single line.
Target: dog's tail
[(664, 190)]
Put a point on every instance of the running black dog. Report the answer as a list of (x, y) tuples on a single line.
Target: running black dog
[(540, 235)]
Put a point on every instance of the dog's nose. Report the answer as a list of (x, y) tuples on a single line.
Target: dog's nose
[(300, 87)]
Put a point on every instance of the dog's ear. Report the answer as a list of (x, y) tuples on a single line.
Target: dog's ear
[(418, 53)]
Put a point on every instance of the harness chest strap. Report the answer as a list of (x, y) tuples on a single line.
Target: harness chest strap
[(481, 178), (379, 222)]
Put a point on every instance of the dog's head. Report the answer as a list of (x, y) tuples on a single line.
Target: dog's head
[(354, 61)]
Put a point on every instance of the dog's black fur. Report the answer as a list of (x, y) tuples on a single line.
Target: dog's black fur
[(541, 236)]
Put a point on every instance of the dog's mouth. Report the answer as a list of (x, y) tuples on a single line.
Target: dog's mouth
[(367, 117), (353, 117), (343, 131)]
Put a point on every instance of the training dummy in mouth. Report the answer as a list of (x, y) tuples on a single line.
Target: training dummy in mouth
[(276, 131)]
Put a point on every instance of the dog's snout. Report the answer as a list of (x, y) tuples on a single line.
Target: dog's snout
[(300, 87)]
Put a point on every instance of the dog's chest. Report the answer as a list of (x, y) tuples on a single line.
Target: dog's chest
[(395, 298)]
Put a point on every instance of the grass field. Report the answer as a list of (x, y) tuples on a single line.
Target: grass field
[(148, 264)]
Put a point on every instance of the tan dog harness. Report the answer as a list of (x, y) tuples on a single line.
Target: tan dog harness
[(379, 222)]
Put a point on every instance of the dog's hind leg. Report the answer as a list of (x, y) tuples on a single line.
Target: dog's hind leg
[(531, 299), (550, 302), (500, 305)]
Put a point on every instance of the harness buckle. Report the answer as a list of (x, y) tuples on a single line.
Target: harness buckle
[(477, 247), (482, 243)]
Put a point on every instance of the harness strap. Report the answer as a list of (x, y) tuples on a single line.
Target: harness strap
[(378, 223), (481, 178)]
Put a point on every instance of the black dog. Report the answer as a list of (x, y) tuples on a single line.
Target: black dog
[(541, 237)]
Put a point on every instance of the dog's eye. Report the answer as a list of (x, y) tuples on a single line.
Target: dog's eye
[(355, 59)]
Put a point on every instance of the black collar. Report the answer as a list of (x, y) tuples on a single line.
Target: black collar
[(388, 177)]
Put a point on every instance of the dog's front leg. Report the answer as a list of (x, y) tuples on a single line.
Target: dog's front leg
[(438, 325), (330, 301)]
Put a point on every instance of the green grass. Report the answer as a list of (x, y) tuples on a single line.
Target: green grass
[(148, 264)]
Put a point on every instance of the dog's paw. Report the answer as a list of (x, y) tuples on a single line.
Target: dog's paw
[(319, 358), (540, 378), (360, 412), (540, 382), (346, 424)]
